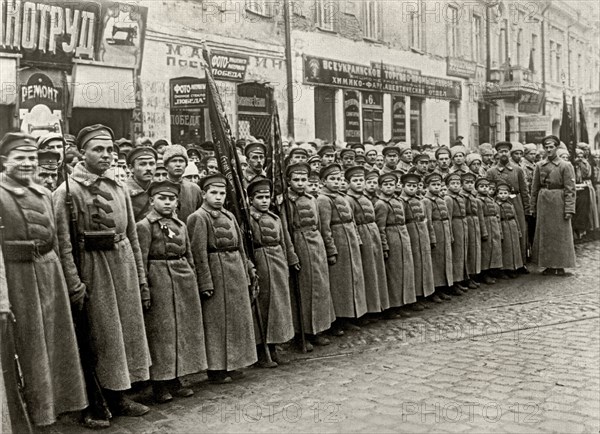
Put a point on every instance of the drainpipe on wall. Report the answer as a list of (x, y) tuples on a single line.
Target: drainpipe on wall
[(289, 67)]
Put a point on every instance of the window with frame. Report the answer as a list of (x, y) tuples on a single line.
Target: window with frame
[(476, 44), (552, 63), (534, 44), (520, 47), (415, 38), (260, 7), (452, 32), (325, 14), (503, 43), (372, 23), (558, 62)]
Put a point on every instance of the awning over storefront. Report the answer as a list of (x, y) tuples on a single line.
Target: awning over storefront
[(8, 80), (102, 87)]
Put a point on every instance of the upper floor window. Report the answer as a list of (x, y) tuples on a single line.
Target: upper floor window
[(325, 14), (503, 43), (477, 44), (533, 54), (261, 7), (452, 22), (372, 23), (520, 47), (415, 36)]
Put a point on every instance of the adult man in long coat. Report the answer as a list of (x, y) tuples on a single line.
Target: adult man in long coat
[(110, 282), (175, 159), (507, 171), (44, 335), (553, 201), (142, 163)]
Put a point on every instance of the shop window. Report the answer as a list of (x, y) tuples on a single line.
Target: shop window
[(325, 14), (254, 111), (325, 113), (188, 103), (415, 122), (372, 116), (351, 116), (372, 22), (398, 118), (453, 124)]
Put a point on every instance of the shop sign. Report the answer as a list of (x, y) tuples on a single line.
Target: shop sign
[(59, 31), (40, 105), (398, 118), (327, 72), (186, 119), (534, 123), (372, 100), (351, 116), (188, 92), (253, 98), (227, 66), (460, 67), (532, 102)]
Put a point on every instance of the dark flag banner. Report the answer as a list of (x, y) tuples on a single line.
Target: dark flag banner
[(277, 165), (565, 134), (583, 132)]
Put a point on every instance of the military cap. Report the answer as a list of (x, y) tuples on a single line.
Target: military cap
[(214, 179), (210, 146), (390, 149), (255, 147), (459, 149), (165, 186), (347, 151), (360, 160), (48, 159), (173, 151), (313, 176), (529, 148), (160, 164), (297, 168), (482, 181), (298, 150), (551, 138), (43, 141), (160, 142), (17, 140), (410, 177), (442, 150), (330, 170), (403, 147), (372, 174), (420, 157), (122, 141), (141, 152), (452, 177), (503, 145), (380, 143), (70, 139), (260, 184), (97, 131), (387, 177), (191, 170), (471, 158), (146, 141), (313, 159), (468, 176), (353, 171), (326, 149), (356, 146), (432, 177), (516, 147), (191, 150), (502, 185)]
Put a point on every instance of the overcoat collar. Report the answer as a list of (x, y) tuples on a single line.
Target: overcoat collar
[(83, 176)]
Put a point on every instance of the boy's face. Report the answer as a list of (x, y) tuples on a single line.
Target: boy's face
[(388, 187), (164, 203), (312, 187), (517, 156), (422, 165), (261, 201), (332, 182), (502, 194), (160, 174), (431, 165), (371, 185), (315, 166), (434, 187), (491, 189), (475, 166), (214, 195), (328, 158), (459, 159), (357, 183), (454, 186), (411, 188), (297, 182), (298, 158), (348, 160), (343, 185), (398, 189), (444, 190), (468, 185), (482, 189)]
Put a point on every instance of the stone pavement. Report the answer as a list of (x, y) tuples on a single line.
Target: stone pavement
[(519, 356)]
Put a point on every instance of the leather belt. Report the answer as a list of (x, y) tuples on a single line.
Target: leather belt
[(260, 246), (551, 187), (165, 257), (25, 250), (458, 217), (223, 249), (396, 224), (508, 219), (306, 228)]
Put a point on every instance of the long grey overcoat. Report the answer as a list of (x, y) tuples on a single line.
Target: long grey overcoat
[(440, 234), (460, 235)]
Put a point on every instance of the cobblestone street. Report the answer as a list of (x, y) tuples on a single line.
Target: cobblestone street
[(519, 356)]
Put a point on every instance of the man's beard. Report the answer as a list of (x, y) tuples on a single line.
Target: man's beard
[(504, 159)]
